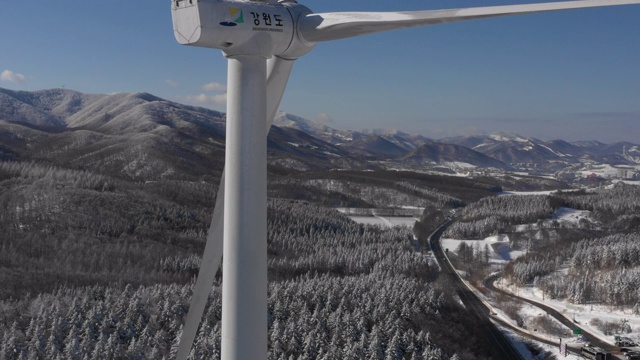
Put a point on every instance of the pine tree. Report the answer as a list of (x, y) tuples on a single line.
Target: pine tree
[(37, 341), (99, 350), (73, 350), (375, 349), (13, 345), (395, 349), (133, 351), (310, 350), (53, 347)]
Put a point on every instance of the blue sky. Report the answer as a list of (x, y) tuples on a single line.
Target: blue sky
[(572, 75)]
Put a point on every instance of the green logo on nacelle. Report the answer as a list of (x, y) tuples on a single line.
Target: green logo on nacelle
[(236, 16)]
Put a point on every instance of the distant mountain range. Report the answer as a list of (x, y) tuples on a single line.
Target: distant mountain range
[(141, 135), (526, 152), (500, 150)]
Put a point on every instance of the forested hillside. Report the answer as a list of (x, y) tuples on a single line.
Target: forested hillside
[(595, 259), (71, 227), (97, 266), (336, 288), (496, 215), (381, 188), (601, 268), (103, 216)]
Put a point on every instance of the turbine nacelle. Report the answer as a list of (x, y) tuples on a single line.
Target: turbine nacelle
[(262, 28), (289, 30), (261, 40)]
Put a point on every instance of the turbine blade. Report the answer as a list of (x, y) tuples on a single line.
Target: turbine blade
[(209, 266), (332, 26), (278, 71)]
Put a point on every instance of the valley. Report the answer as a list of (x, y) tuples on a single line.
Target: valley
[(105, 202)]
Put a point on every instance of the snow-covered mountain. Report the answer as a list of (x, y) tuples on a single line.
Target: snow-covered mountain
[(512, 149), (533, 153), (43, 109), (402, 139), (392, 146), (139, 133), (313, 128), (632, 153), (449, 154), (589, 144)]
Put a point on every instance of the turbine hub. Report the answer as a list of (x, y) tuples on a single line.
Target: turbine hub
[(261, 28)]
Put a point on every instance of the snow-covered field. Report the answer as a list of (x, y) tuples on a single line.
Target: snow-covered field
[(566, 216), (583, 314), (628, 182), (499, 246), (606, 171), (460, 165), (501, 253), (384, 221), (569, 215), (542, 192)]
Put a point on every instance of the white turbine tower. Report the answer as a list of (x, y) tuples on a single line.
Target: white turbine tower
[(261, 39)]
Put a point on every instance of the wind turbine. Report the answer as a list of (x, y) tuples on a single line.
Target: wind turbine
[(261, 39)]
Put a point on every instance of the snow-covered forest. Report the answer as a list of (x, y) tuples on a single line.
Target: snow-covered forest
[(94, 266), (75, 228), (496, 215), (338, 291), (382, 189), (595, 260), (103, 218)]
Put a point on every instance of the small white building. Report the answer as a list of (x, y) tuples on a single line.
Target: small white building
[(627, 173)]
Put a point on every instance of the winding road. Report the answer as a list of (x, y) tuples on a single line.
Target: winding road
[(488, 283), (501, 347)]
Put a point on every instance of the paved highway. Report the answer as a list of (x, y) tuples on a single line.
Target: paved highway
[(488, 283), (502, 348)]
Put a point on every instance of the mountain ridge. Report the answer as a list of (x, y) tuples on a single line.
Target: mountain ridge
[(133, 130)]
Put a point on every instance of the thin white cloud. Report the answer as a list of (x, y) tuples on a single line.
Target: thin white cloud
[(219, 99), (171, 83), (215, 87), (10, 76), (324, 119)]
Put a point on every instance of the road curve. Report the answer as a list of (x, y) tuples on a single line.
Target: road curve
[(488, 283), (502, 348)]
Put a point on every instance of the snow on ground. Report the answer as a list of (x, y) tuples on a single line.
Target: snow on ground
[(566, 216), (583, 313), (553, 151), (460, 165), (554, 350), (570, 215), (518, 341), (628, 182), (367, 220), (420, 209), (605, 171), (499, 246), (385, 221), (542, 192), (539, 192)]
